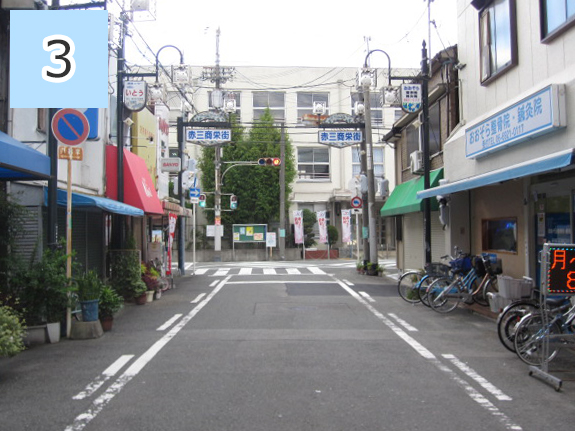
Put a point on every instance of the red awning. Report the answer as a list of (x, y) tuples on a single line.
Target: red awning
[(139, 189)]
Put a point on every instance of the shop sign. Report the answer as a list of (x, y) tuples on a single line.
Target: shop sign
[(537, 114), (135, 95), (341, 138)]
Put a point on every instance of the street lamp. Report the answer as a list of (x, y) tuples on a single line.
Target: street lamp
[(389, 97)]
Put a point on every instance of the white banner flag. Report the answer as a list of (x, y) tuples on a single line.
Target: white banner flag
[(346, 226), (298, 226), (322, 222)]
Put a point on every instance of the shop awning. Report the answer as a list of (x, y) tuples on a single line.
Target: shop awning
[(532, 167), (80, 200), (20, 162), (404, 198), (139, 190)]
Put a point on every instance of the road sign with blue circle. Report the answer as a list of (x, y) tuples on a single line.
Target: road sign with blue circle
[(356, 202), (70, 126)]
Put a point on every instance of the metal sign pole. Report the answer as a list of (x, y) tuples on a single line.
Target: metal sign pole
[(69, 242)]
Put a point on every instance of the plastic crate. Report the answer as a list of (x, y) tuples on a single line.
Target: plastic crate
[(497, 302), (514, 288)]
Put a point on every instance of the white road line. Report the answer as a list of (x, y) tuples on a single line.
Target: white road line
[(366, 296), (213, 283), (402, 322), (245, 271), (281, 282), (169, 322), (200, 296), (478, 398), (83, 419), (102, 378), (270, 271), (424, 352), (293, 271), (479, 379), (349, 283), (221, 272), (201, 271), (315, 270)]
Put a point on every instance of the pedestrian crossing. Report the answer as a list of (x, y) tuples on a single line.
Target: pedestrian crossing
[(222, 272)]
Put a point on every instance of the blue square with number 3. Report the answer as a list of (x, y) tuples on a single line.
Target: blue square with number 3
[(59, 58)]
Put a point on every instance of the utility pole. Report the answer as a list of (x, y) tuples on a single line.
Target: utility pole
[(364, 197), (370, 178), (426, 161)]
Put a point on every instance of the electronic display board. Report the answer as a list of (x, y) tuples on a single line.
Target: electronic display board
[(560, 269)]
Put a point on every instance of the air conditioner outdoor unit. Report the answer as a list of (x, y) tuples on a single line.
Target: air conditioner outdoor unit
[(416, 162)]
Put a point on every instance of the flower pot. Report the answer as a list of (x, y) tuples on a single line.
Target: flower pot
[(53, 332), (107, 322), (89, 310), (35, 335), (158, 294), (140, 300), (149, 296)]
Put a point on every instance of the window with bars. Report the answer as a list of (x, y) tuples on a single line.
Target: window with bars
[(556, 16), (305, 101), (313, 163), (269, 99), (498, 39), (376, 108)]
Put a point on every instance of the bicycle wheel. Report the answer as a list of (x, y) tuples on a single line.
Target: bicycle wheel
[(444, 294), (481, 296), (423, 286), (509, 319), (408, 286), (529, 336)]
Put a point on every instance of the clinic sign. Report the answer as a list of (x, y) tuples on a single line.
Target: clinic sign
[(537, 114)]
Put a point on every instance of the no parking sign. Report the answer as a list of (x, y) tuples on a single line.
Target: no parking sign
[(70, 126)]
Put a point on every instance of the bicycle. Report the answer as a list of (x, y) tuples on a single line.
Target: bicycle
[(445, 293), (533, 329), (413, 284)]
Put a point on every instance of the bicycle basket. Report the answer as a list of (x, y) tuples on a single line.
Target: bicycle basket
[(437, 269), (462, 264)]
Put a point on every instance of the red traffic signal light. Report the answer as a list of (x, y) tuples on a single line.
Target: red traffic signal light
[(269, 161)]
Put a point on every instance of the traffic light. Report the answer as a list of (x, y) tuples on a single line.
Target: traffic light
[(233, 202), (269, 161), (202, 201)]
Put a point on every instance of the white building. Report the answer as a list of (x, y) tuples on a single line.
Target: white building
[(324, 172), (508, 167)]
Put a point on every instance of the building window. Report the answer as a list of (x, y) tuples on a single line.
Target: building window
[(269, 99), (375, 105), (556, 16), (378, 170), (434, 129), (236, 95), (498, 39), (499, 235), (313, 163), (305, 103)]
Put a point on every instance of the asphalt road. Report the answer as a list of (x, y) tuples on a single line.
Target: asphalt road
[(283, 346)]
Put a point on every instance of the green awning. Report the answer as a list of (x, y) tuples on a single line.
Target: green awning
[(404, 200)]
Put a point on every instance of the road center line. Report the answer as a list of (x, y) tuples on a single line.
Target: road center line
[(103, 400), (102, 378), (200, 296), (402, 322), (169, 322), (366, 296)]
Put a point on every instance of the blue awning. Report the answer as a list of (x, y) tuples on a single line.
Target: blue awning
[(532, 167), (20, 162), (85, 201)]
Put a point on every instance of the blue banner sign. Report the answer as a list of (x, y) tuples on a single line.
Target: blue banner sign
[(540, 113), (209, 137), (341, 138)]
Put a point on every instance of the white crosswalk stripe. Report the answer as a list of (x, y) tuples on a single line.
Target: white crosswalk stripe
[(293, 271), (245, 271)]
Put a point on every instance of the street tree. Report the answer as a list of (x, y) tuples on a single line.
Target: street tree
[(257, 187)]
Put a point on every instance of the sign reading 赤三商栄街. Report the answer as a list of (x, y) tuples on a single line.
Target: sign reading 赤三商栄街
[(541, 112)]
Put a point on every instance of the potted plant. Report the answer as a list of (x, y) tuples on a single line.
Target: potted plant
[(126, 272), (151, 278), (110, 303), (139, 290), (89, 287), (372, 268), (360, 267)]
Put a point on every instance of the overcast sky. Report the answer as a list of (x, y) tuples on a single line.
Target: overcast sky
[(295, 33)]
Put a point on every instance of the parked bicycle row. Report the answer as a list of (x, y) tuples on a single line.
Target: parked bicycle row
[(528, 325)]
